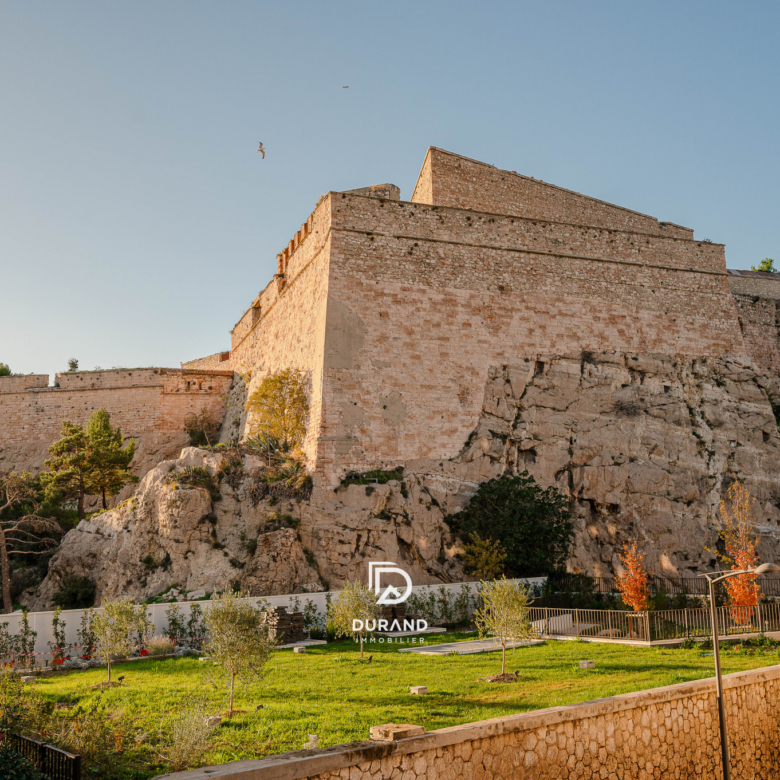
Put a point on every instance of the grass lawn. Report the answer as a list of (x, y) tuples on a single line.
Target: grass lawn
[(329, 691)]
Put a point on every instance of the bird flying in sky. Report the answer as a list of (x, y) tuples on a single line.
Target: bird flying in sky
[(261, 149), (345, 87)]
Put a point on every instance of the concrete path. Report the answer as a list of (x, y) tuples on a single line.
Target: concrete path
[(468, 647)]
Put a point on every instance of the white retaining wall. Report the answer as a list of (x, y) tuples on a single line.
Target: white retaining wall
[(41, 621)]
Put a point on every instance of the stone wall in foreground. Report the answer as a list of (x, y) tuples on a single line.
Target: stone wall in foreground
[(669, 732)]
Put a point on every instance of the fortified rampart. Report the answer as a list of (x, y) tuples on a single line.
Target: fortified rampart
[(142, 401), (396, 309)]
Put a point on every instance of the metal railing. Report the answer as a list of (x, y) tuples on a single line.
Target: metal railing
[(690, 586), (654, 626), (53, 762)]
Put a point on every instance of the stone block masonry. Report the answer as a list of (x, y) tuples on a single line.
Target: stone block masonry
[(141, 401), (669, 732), (395, 310)]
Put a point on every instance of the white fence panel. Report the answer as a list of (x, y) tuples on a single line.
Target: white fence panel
[(40, 622)]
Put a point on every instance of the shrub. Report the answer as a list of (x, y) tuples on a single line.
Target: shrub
[(175, 630), (21, 707), (4, 369), (533, 525), (201, 427), (87, 639), (280, 407), (14, 766), (59, 646), (75, 592), (483, 558), (160, 645), (196, 631), (187, 740)]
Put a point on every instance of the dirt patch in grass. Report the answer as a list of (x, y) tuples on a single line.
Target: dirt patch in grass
[(506, 677)]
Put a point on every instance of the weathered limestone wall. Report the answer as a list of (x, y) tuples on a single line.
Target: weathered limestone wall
[(758, 321), (219, 361), (763, 284), (285, 327), (669, 732), (448, 179), (149, 402), (423, 299)]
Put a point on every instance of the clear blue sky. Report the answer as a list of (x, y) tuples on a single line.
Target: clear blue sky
[(137, 221)]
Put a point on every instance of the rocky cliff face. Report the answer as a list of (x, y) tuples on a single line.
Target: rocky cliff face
[(644, 446)]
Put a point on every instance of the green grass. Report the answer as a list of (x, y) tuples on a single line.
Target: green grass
[(329, 691)]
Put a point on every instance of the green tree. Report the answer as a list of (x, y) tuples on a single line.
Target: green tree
[(70, 468), (109, 461), (767, 264), (4, 369), (22, 531), (483, 558), (355, 602), (280, 408), (238, 639), (112, 629), (503, 614), (73, 365), (533, 525)]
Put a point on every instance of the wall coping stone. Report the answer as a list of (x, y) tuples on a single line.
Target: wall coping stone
[(308, 763)]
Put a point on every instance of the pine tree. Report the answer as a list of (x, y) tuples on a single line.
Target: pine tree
[(109, 461), (70, 468)]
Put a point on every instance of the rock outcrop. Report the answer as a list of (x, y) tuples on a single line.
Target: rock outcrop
[(644, 445)]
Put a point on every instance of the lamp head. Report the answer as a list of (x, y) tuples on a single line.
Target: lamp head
[(765, 568)]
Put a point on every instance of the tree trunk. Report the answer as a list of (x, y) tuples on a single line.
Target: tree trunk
[(8, 606), (80, 504), (503, 657), (361, 644), (232, 685), (105, 505), (109, 666)]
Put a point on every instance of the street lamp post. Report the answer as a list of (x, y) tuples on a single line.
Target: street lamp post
[(713, 580)]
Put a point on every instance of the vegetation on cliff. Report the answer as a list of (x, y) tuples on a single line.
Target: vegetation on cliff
[(88, 462), (533, 526), (279, 407)]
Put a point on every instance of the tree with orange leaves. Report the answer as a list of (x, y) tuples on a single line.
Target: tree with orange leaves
[(633, 584), (739, 539)]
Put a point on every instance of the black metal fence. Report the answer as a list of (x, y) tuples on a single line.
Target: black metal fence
[(690, 586), (56, 764)]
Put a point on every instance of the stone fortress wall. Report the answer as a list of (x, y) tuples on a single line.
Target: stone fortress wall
[(145, 402), (396, 309)]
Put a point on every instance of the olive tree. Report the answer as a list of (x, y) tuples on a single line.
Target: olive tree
[(112, 629), (238, 639), (503, 613), (353, 610)]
